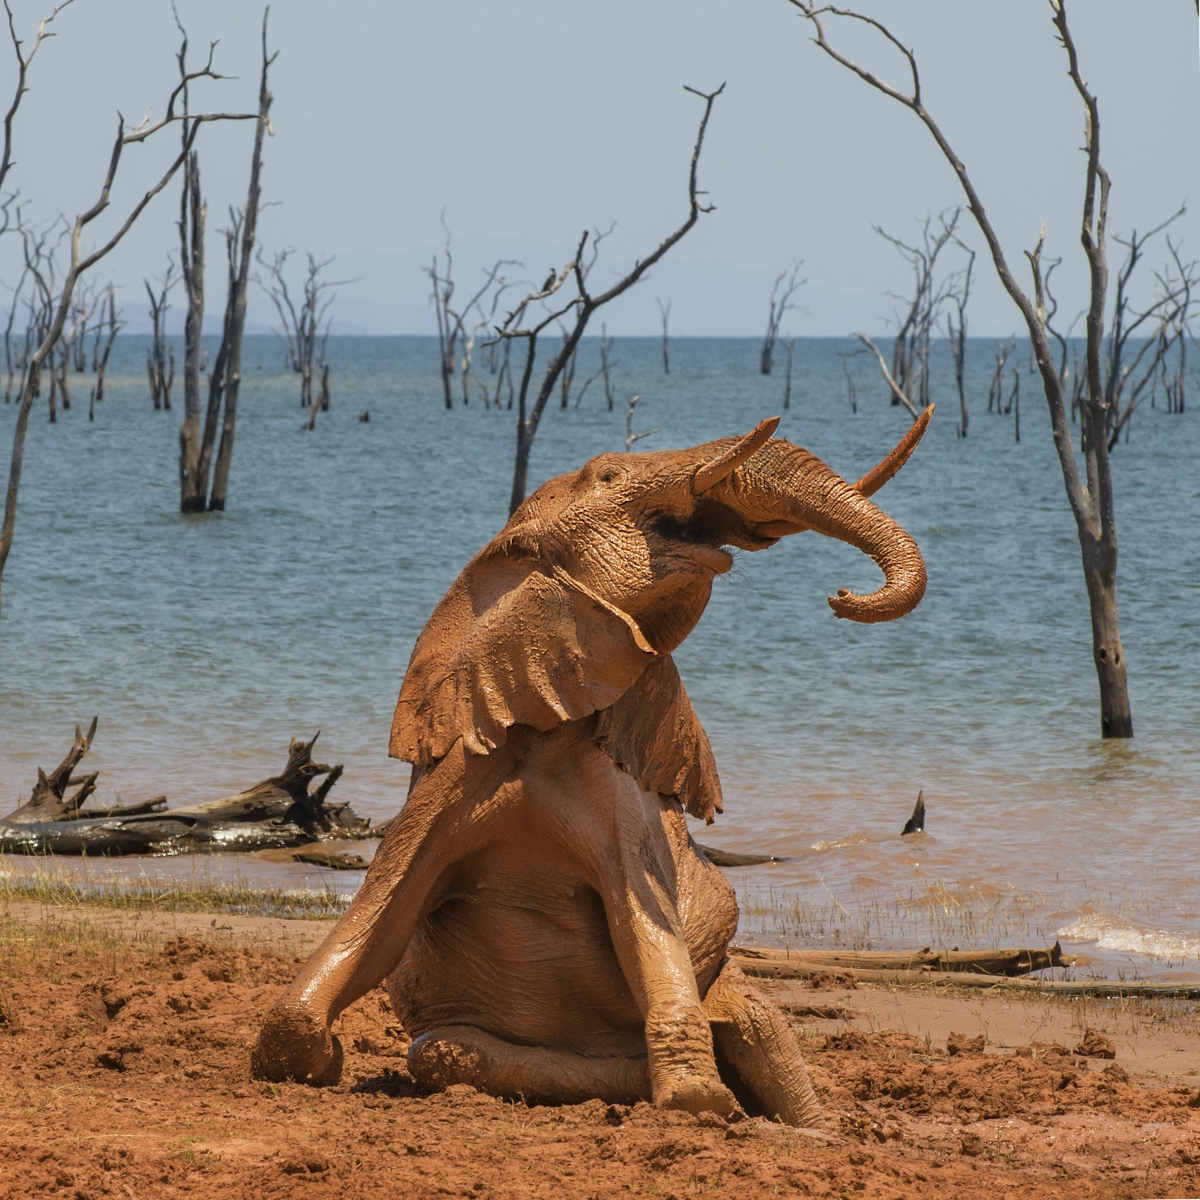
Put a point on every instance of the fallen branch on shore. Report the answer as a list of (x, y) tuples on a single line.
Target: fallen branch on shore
[(862, 964), (950, 968), (284, 810)]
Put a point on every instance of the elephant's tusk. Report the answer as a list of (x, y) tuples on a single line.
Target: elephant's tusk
[(872, 481), (725, 464)]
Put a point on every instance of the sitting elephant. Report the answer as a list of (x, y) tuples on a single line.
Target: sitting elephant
[(544, 923)]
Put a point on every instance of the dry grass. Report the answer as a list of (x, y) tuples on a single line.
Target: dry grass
[(49, 883)]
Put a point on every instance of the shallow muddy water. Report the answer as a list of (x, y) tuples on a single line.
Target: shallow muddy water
[(203, 643)]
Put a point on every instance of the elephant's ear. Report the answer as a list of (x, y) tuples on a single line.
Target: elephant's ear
[(652, 733), (513, 642)]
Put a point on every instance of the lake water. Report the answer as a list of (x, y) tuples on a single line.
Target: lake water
[(204, 643)]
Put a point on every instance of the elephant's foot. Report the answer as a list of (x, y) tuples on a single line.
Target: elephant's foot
[(537, 1074), (758, 1053), (683, 1071), (293, 1044)]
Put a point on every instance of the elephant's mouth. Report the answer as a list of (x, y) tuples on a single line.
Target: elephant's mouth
[(712, 533)]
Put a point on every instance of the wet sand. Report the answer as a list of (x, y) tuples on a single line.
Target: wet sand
[(124, 1073)]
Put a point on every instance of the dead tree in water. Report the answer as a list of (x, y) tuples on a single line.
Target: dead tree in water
[(80, 263), (1129, 373), (851, 390), (452, 323), (910, 348), (302, 326), (664, 313), (790, 346), (996, 387), (100, 358), (1090, 495), (959, 294), (580, 308), (631, 438), (195, 447), (160, 360), (779, 304), (1014, 404), (225, 379)]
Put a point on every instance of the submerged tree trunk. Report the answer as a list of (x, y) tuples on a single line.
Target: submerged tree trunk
[(235, 307), (193, 485), (1090, 492)]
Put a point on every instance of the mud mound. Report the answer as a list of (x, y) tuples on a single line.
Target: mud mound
[(124, 1073)]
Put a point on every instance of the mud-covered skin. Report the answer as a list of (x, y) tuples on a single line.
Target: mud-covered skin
[(545, 926), (533, 894)]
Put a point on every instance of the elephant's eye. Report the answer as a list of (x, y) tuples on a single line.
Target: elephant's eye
[(608, 476)]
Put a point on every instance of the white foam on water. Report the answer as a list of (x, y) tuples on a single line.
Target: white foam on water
[(1116, 933)]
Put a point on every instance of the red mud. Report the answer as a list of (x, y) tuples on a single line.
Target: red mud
[(123, 1072)]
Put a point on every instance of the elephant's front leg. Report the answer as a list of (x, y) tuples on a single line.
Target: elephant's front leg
[(438, 825), (638, 885)]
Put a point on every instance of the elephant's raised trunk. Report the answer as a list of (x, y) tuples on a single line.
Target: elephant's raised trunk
[(785, 483)]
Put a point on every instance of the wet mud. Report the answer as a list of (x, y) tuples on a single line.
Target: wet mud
[(124, 1072)]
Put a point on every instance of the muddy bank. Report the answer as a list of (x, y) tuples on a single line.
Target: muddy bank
[(124, 1073)]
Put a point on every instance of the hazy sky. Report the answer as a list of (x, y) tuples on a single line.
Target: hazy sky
[(533, 119)]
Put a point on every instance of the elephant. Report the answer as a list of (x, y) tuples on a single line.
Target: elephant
[(544, 924)]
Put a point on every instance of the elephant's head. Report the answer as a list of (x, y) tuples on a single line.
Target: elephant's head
[(602, 570)]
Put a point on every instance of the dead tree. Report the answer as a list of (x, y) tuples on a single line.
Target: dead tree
[(664, 313), (780, 302), (580, 309), (305, 327), (996, 388), (100, 358), (790, 347), (225, 379), (452, 323), (1129, 372), (195, 449), (568, 373), (12, 353), (160, 360), (851, 390), (49, 800), (286, 810), (631, 438), (80, 263), (603, 372), (447, 323), (959, 294), (1090, 496), (1014, 404), (911, 345), (480, 312)]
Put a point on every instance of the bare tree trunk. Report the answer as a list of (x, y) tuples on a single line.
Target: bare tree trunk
[(790, 347), (665, 313), (193, 487), (1091, 503), (235, 305), (1014, 403)]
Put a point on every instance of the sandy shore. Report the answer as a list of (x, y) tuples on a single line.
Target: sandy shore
[(124, 1073)]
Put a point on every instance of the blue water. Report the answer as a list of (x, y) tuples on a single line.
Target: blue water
[(204, 643)]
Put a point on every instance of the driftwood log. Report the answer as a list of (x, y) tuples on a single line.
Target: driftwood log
[(875, 965), (284, 810)]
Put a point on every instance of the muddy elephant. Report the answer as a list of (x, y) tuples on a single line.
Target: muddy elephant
[(544, 923)]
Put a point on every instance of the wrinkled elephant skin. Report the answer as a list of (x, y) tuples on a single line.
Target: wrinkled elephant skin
[(544, 923)]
